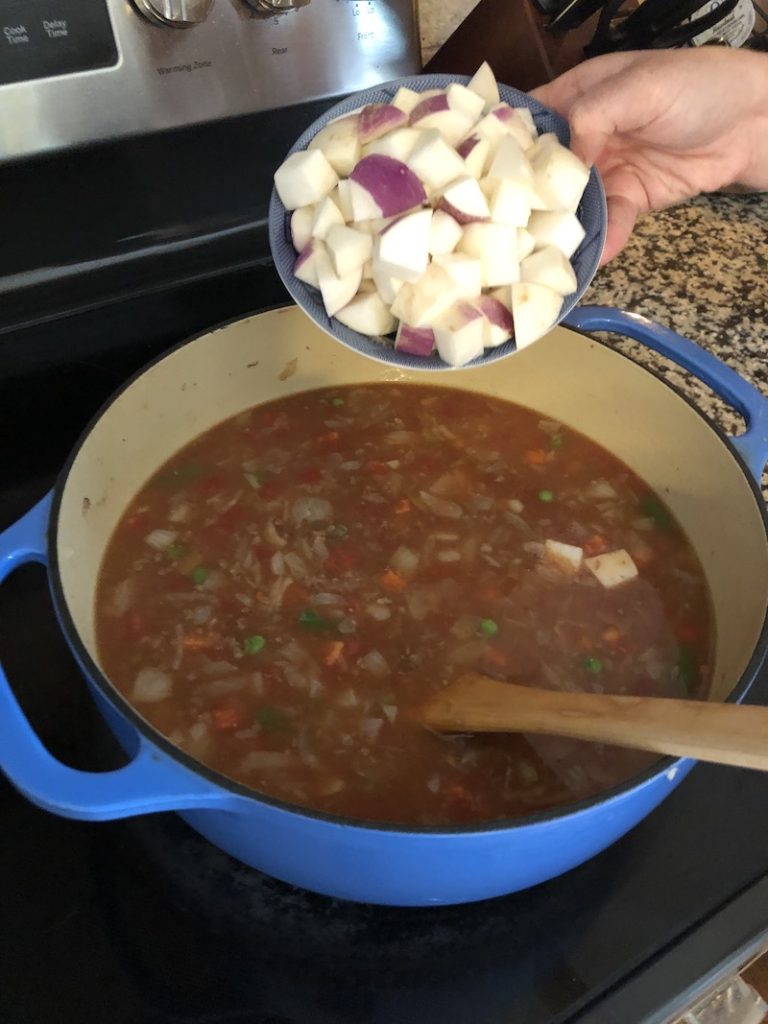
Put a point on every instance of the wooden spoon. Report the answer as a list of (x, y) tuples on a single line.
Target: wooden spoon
[(724, 733)]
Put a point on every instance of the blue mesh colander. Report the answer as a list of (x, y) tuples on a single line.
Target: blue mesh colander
[(591, 213)]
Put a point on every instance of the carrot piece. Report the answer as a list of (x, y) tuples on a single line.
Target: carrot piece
[(537, 457), (596, 545), (198, 641), (402, 506), (333, 652), (227, 718), (393, 581), (496, 657), (375, 466), (611, 635)]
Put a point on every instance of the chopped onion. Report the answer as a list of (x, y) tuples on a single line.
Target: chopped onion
[(161, 539), (217, 668), (371, 727), (319, 547), (311, 510), (347, 626), (272, 537), (405, 562), (448, 555), (379, 612), (600, 489), (374, 663), (325, 599), (315, 688), (390, 710), (179, 514), (433, 783), (350, 466), (441, 506), (400, 437), (215, 580), (347, 699), (151, 685), (551, 427), (259, 760), (296, 566), (515, 506), (277, 563), (198, 731), (122, 596), (482, 502), (200, 615)]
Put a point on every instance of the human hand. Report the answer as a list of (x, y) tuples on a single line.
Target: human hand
[(662, 126)]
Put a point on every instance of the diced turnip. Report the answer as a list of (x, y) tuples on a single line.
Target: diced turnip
[(343, 200), (475, 152), (550, 267), (510, 162), (559, 176), (402, 249), (444, 233), (327, 214), (398, 144), (613, 568), (305, 267), (526, 243), (367, 314), (464, 201), (490, 128), (503, 295), (339, 142), (567, 557), (304, 178), (464, 100), (466, 272), (510, 203), (563, 230), (436, 112), (336, 291), (301, 226), (348, 249), (416, 341), (459, 334), (434, 162), (535, 308), (368, 273), (420, 304), (527, 118), (483, 82), (498, 325), (376, 119), (488, 186), (383, 187), (512, 123), (386, 285), (495, 245), (406, 99)]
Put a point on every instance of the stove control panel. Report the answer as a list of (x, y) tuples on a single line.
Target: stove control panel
[(177, 13), (74, 72)]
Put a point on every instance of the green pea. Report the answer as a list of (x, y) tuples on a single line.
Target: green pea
[(556, 441), (270, 718), (199, 575), (337, 401), (593, 665), (546, 496), (309, 619), (488, 627), (254, 644)]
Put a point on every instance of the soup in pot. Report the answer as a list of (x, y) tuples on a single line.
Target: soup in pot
[(283, 594)]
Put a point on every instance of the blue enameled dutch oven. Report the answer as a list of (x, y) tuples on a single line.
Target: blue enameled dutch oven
[(708, 480)]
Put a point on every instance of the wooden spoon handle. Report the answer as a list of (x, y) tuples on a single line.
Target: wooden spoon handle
[(723, 733)]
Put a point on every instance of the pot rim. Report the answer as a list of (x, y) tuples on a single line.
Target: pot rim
[(664, 765)]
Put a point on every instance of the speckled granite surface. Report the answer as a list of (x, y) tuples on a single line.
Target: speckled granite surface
[(701, 269)]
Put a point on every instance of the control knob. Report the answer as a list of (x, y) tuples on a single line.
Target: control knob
[(176, 13), (276, 6)]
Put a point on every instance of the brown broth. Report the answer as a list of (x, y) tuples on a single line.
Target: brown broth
[(326, 561)]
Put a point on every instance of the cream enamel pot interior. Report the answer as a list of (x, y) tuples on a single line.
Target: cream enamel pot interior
[(566, 376)]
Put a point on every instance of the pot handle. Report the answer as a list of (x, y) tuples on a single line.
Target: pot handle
[(150, 782), (752, 445)]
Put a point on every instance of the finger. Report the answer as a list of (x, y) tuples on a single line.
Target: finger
[(622, 216), (562, 92)]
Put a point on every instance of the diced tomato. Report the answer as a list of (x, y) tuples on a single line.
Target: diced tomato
[(134, 624), (138, 522), (687, 632), (538, 457), (270, 489), (310, 475), (376, 467), (402, 506), (234, 516), (393, 582), (327, 440), (228, 717), (343, 557), (211, 484)]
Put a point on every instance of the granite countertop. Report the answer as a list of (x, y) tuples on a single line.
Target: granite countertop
[(700, 268)]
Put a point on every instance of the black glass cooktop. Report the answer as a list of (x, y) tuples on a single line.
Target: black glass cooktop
[(143, 922)]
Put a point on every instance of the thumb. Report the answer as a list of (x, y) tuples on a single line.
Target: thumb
[(622, 214)]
